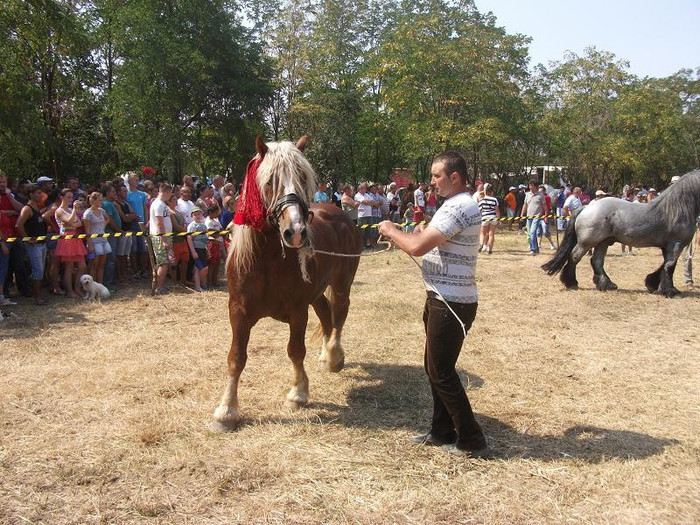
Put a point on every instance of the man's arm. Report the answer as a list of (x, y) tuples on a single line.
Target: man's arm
[(23, 217), (160, 225), (416, 244)]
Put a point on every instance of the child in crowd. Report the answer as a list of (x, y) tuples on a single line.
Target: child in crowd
[(408, 217), (181, 245), (199, 249), (215, 246)]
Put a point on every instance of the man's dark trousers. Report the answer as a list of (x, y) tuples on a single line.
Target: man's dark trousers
[(452, 413)]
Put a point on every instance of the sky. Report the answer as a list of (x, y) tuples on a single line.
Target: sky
[(656, 37)]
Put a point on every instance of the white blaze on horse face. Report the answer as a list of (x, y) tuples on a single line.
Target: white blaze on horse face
[(292, 221)]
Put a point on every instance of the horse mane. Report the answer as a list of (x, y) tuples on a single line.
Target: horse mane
[(680, 202), (282, 164)]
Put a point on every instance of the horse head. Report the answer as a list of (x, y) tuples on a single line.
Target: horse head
[(287, 183)]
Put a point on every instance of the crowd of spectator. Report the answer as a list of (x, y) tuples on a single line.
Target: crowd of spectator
[(133, 203), (129, 203)]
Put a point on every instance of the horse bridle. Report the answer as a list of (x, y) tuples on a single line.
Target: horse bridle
[(273, 217)]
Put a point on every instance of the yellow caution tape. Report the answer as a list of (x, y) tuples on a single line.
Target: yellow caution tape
[(226, 232), (118, 234)]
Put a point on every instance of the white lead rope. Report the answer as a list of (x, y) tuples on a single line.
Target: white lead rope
[(433, 289), (388, 243)]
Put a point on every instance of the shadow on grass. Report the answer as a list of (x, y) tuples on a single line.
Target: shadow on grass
[(396, 397), (26, 319)]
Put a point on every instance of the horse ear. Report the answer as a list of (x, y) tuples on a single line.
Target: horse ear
[(301, 143), (260, 146)]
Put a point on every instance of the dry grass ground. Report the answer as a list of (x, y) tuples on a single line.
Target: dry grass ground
[(593, 397)]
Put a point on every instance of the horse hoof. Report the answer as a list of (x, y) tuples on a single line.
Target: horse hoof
[(223, 427), (572, 287), (336, 367), (226, 414), (293, 406), (668, 293)]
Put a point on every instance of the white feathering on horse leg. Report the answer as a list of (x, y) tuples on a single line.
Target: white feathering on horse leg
[(298, 395), (324, 350), (335, 355), (227, 410)]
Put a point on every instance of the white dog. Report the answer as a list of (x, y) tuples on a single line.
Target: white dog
[(94, 290)]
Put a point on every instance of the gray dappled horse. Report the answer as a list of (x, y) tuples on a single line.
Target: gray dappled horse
[(668, 222)]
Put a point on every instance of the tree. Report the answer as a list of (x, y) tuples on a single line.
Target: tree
[(453, 81), (191, 88), (46, 70)]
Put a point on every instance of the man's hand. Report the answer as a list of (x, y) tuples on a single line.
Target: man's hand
[(386, 228)]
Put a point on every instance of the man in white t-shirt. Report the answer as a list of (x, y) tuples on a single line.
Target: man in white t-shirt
[(160, 223), (364, 214), (185, 204), (449, 247), (572, 202), (419, 196)]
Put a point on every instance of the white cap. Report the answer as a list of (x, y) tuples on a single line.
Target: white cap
[(43, 179), (675, 178)]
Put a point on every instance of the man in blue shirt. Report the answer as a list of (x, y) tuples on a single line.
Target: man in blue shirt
[(110, 194), (137, 200)]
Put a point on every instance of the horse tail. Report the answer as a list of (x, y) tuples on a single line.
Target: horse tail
[(316, 335), (557, 262)]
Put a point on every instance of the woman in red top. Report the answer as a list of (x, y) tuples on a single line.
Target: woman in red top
[(430, 203), (71, 252)]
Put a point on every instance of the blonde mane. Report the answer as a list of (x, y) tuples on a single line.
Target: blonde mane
[(283, 165)]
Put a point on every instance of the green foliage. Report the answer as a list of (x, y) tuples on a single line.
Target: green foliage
[(612, 127), (98, 87)]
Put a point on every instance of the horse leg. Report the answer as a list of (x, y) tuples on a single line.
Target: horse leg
[(671, 254), (323, 312), (340, 304), (653, 280), (600, 278), (568, 273), (227, 412), (298, 396)]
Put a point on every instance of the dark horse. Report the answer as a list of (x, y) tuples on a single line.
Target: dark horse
[(273, 272), (668, 222)]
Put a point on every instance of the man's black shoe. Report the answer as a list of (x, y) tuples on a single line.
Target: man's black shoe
[(429, 439), (481, 453)]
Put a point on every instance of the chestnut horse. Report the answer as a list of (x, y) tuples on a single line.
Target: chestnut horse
[(273, 272)]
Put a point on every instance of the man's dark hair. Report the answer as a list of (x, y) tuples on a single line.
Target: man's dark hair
[(105, 189), (31, 188), (453, 162), (533, 182)]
